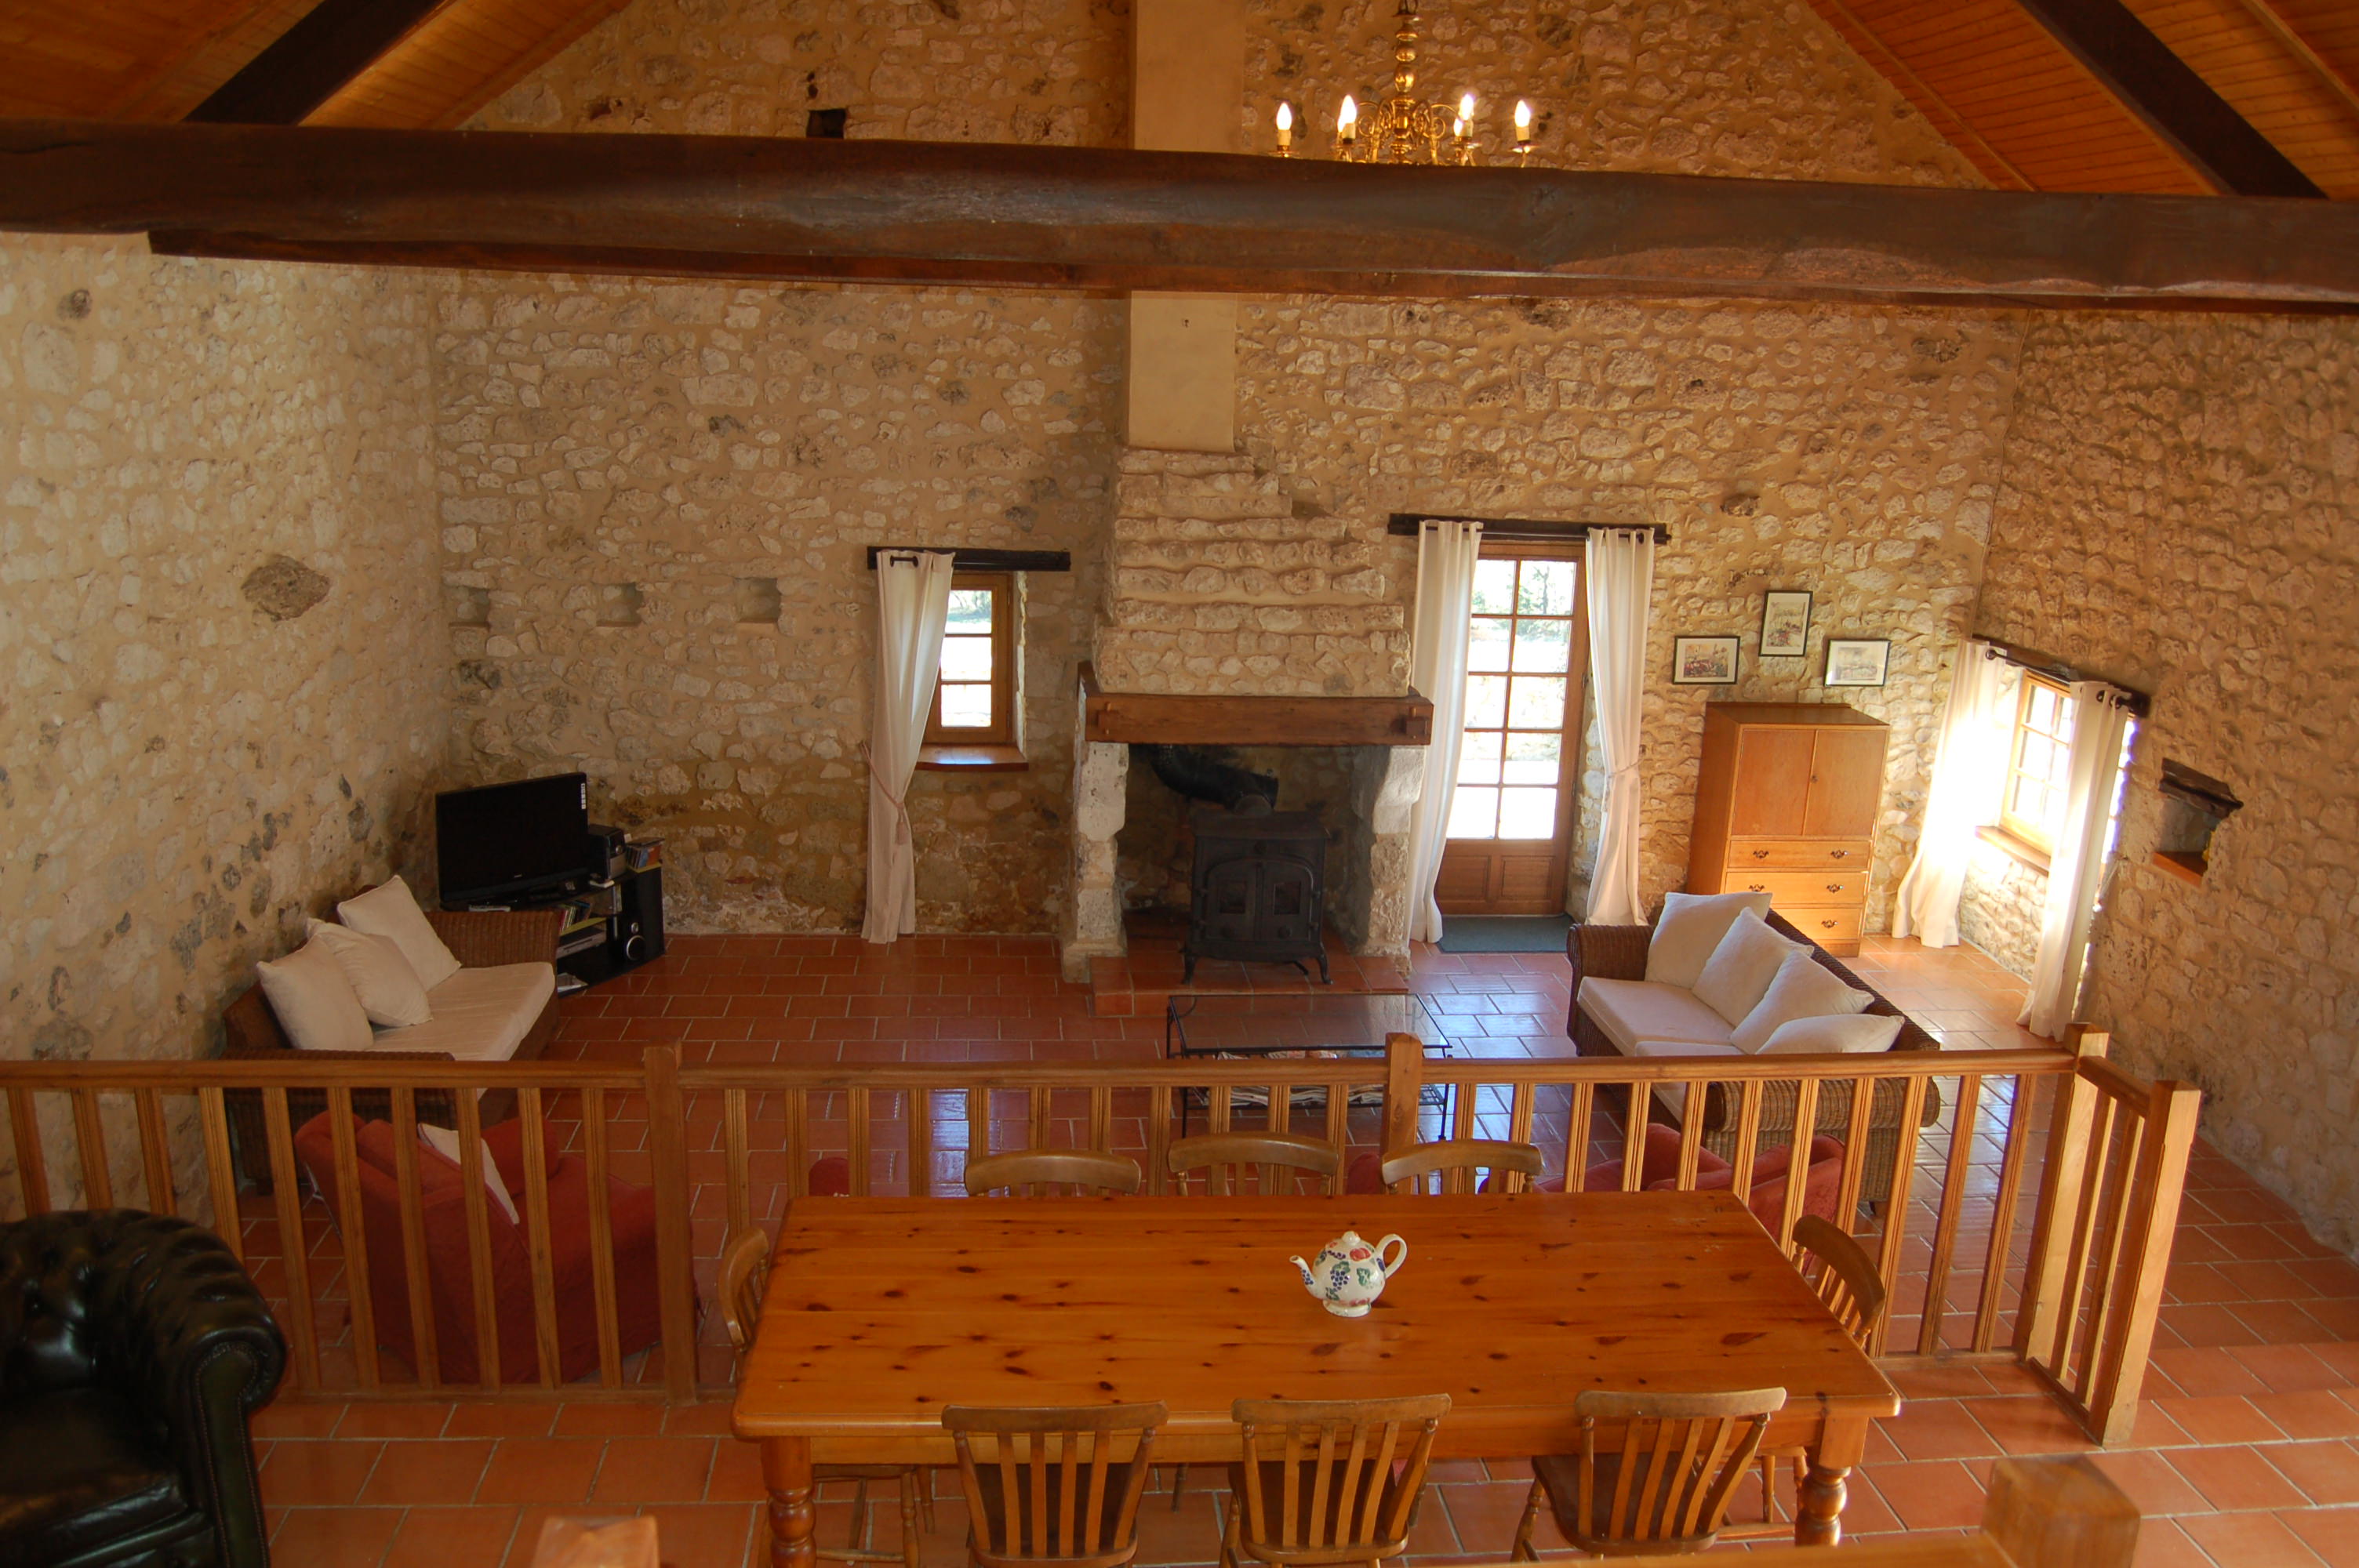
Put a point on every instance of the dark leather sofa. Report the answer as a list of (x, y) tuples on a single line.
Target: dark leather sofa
[(133, 1349)]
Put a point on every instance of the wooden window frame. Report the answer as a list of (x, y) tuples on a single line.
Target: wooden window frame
[(996, 744), (2037, 836)]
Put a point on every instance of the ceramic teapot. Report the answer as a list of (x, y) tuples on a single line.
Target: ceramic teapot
[(1348, 1275)]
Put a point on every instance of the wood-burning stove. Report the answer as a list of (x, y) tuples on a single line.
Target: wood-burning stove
[(1258, 891)]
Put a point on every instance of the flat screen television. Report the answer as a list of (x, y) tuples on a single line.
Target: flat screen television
[(506, 840)]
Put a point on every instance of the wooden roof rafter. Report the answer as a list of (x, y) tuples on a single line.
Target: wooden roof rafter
[(308, 63)]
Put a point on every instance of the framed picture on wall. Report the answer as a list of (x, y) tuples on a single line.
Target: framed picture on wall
[(1703, 661), (1785, 623), (1857, 661)]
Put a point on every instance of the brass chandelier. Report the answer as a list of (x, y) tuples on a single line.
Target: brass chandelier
[(1404, 128)]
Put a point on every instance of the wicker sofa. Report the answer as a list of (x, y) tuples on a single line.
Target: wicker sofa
[(478, 939), (1619, 953)]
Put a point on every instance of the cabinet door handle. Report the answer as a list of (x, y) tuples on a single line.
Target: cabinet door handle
[(1760, 854)]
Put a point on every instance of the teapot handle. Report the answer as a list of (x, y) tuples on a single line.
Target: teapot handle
[(1400, 1257)]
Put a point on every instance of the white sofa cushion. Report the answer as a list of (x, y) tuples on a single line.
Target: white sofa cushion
[(1741, 966), (381, 977), (1818, 1036), (392, 911), (1803, 988), (444, 1141), (1631, 1010), (313, 1002), (1688, 928), (479, 1015), (1676, 1095)]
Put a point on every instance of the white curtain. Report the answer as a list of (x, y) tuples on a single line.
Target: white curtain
[(913, 605), (1619, 569), (2078, 862), (1446, 554), (1969, 771)]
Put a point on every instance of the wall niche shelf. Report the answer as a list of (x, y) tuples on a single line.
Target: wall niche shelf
[(2194, 804)]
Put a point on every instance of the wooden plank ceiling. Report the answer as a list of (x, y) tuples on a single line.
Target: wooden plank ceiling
[(2016, 84)]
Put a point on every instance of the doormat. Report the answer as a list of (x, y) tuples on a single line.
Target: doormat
[(1505, 933)]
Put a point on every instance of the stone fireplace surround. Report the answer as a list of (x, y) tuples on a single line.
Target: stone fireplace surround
[(1219, 588)]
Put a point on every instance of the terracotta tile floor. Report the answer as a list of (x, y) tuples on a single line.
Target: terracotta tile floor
[(2247, 1451)]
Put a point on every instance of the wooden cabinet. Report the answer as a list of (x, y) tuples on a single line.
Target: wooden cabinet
[(1786, 805)]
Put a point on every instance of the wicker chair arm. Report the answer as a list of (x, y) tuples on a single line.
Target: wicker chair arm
[(481, 938), (1608, 952)]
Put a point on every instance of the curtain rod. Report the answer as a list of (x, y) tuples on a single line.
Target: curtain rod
[(983, 560), (2138, 702), (1406, 524)]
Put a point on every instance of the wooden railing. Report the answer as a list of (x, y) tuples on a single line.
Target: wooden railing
[(725, 1147)]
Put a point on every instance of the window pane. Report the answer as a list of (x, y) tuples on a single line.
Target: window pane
[(1488, 647), (1526, 813), (1478, 759), (2067, 711), (1494, 587), (1542, 646), (1547, 588), (1486, 701), (969, 609), (2040, 708), (2030, 802), (1473, 813), (1531, 770), (966, 707), (1538, 703), (2039, 756), (966, 658)]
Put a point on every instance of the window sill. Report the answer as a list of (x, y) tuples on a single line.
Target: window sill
[(2187, 865), (941, 758), (2021, 851)]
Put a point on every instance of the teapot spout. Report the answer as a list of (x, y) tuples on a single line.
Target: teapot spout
[(1309, 1280)]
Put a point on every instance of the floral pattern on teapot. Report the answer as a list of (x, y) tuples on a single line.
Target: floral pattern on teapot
[(1349, 1274)]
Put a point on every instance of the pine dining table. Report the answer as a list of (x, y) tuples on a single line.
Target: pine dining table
[(880, 1312)]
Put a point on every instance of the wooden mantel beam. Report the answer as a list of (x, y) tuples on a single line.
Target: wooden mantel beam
[(1076, 218)]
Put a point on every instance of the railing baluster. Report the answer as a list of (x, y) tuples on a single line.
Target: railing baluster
[(799, 1145), (1634, 1117), (221, 1180), (1954, 1176), (1798, 1162), (89, 1143), (2003, 1210), (675, 1255), (1100, 1115), (855, 1138), (1158, 1138), (735, 1141), (1896, 1197), (2154, 1219), (2113, 1228), (2083, 1239), (354, 1227), (1748, 1136), (978, 1124), (422, 1337), (1041, 1136), (156, 1153), (2046, 1277), (919, 1104), (32, 1164), (601, 1238), (294, 1251), (538, 1240), (1695, 1104), (475, 1203), (1855, 1136), (1577, 1117)]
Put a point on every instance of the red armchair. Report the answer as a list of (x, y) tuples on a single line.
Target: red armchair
[(1765, 1193), (450, 1265)]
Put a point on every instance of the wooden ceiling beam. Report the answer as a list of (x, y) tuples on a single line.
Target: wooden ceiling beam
[(333, 43), (2165, 92), (1076, 218)]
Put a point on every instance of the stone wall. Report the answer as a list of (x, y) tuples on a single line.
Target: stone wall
[(2180, 514), (226, 672)]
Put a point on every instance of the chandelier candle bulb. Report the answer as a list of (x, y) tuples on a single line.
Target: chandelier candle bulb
[(1523, 129), (1284, 130), (1347, 122)]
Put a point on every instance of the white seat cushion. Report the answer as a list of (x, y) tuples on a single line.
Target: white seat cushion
[(1631, 1010), (479, 1015), (1688, 928), (1804, 987), (1676, 1095)]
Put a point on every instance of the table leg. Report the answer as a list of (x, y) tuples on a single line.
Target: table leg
[(794, 1514), (1818, 1514)]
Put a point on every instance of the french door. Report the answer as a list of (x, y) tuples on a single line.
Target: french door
[(1511, 820)]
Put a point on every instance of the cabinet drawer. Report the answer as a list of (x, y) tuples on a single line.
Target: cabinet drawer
[(1832, 927), (1749, 854), (1844, 883)]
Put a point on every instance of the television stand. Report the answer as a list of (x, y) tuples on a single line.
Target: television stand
[(616, 925)]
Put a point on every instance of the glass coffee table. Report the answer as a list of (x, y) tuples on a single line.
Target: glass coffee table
[(1295, 1024)]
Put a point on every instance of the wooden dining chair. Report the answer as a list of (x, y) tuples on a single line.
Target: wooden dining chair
[(1840, 1269), (1455, 1161), (745, 1274), (1041, 1172), (1230, 1161), (1666, 1488), (1328, 1481), (1056, 1486)]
